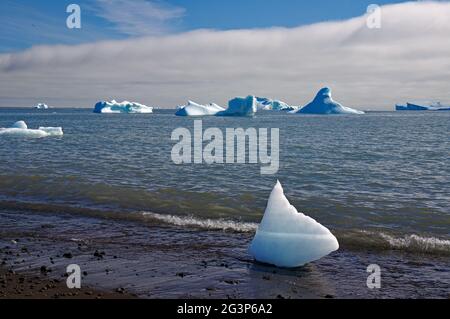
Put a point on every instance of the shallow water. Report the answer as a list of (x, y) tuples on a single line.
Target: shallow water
[(379, 180)]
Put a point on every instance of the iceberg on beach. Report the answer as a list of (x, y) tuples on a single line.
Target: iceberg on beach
[(287, 238), (41, 106), (416, 107), (20, 128), (194, 109), (265, 104), (115, 107), (240, 106), (323, 104)]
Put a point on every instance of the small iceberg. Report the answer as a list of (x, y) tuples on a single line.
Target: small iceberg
[(240, 106), (41, 106), (265, 104), (21, 129), (115, 107), (287, 238), (194, 109), (416, 107), (323, 104)]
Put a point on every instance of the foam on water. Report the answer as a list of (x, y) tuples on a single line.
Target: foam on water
[(208, 224)]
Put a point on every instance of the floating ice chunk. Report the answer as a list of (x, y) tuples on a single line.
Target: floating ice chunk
[(194, 109), (41, 106), (20, 124), (265, 104), (21, 129), (287, 238), (323, 104), (52, 131), (124, 107), (240, 107)]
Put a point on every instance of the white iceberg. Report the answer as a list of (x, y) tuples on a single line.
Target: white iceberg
[(236, 107), (194, 109), (115, 107), (323, 104), (41, 106), (287, 238), (240, 106), (21, 129), (266, 104)]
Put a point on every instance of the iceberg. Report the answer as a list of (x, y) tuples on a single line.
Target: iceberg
[(323, 104), (240, 106), (415, 107), (21, 129), (194, 109), (115, 107), (41, 106), (287, 238), (236, 107), (265, 104)]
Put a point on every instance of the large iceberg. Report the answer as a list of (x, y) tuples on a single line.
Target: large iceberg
[(240, 106), (236, 107), (323, 104), (415, 107), (115, 107), (287, 238), (41, 106), (194, 109), (266, 104), (20, 128)]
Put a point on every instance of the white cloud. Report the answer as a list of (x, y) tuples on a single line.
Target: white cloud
[(408, 58), (139, 17)]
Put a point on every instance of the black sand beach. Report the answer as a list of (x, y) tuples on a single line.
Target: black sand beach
[(126, 259)]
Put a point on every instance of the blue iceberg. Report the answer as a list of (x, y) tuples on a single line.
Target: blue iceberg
[(323, 104), (240, 106), (115, 107), (416, 107), (266, 104)]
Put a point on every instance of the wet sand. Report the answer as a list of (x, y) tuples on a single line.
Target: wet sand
[(121, 259), (25, 285)]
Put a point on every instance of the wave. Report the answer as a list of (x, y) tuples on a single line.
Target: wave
[(417, 243), (207, 224), (349, 239)]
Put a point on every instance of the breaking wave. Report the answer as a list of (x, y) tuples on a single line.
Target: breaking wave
[(208, 224)]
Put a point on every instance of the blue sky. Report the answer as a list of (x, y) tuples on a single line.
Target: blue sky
[(150, 57), (28, 22)]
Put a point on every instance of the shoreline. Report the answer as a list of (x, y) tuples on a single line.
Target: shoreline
[(128, 259)]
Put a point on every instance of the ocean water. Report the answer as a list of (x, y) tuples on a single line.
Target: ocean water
[(379, 181)]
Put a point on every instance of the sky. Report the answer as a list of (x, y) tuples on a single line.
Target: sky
[(162, 53)]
